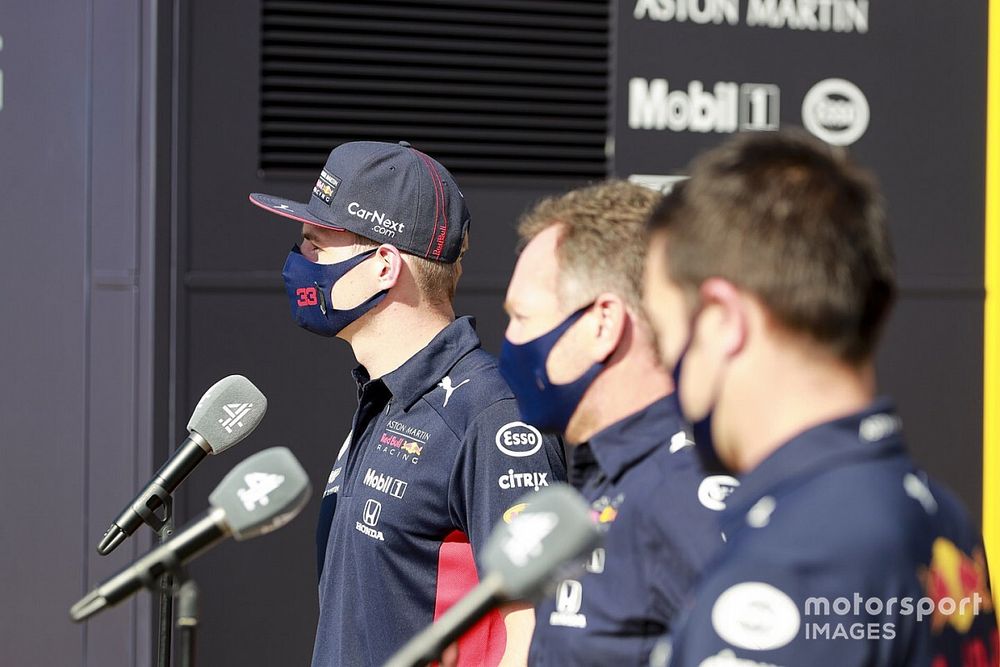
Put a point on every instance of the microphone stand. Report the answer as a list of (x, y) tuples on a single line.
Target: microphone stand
[(166, 589), (187, 621)]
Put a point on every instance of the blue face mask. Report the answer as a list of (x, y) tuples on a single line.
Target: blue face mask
[(310, 285), (701, 430), (543, 404)]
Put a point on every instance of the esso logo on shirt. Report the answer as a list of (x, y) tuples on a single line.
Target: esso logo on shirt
[(518, 439)]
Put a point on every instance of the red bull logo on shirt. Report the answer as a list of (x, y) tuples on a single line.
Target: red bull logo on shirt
[(605, 509), (954, 578), (412, 448)]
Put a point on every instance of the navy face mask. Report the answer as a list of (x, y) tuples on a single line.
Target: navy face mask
[(310, 287), (543, 404), (701, 430)]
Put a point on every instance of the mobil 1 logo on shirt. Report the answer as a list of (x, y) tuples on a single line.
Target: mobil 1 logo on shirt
[(518, 439)]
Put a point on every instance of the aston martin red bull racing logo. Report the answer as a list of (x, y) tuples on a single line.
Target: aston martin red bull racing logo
[(408, 446), (400, 445)]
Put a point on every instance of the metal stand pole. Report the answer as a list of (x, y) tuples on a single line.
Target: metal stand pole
[(187, 621), (166, 592)]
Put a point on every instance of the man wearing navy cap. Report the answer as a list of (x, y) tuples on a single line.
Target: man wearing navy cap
[(579, 356), (437, 453), (769, 279)]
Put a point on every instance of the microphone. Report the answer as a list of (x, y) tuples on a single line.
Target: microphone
[(259, 495), (228, 412), (520, 558)]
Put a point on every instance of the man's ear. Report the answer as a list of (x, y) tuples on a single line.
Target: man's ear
[(609, 315), (725, 311), (389, 264)]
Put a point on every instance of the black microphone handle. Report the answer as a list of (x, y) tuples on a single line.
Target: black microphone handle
[(428, 645), (206, 531), (188, 455)]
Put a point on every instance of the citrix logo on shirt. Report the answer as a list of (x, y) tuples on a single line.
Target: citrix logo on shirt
[(523, 480)]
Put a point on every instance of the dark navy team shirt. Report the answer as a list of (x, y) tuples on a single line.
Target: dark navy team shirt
[(645, 486), (437, 455), (834, 545)]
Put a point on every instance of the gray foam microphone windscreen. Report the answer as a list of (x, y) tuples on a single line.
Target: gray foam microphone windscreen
[(554, 528), (228, 412), (262, 493)]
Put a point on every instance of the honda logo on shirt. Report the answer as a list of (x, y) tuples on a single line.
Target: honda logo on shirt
[(569, 597), (373, 509)]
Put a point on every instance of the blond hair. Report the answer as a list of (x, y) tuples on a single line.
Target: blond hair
[(602, 245), (437, 281)]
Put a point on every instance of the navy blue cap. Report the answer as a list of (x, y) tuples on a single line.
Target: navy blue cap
[(389, 193)]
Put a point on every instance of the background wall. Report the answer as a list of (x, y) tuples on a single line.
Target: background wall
[(82, 398), (911, 78), (136, 273)]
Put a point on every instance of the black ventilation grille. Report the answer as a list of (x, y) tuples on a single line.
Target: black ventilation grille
[(511, 88)]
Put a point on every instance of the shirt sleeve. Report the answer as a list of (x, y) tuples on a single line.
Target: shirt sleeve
[(500, 461)]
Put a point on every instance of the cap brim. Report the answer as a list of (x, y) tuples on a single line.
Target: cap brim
[(292, 210)]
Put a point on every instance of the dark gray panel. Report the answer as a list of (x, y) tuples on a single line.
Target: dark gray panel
[(112, 465), (42, 265), (921, 66), (221, 166), (114, 184), (78, 353), (266, 588), (930, 362)]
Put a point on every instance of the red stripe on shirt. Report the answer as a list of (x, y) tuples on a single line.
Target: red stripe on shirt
[(485, 642)]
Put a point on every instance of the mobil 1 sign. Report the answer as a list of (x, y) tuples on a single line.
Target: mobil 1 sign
[(887, 80), (690, 72), (833, 109), (901, 85)]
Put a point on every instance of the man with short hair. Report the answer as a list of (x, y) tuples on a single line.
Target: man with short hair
[(580, 359), (427, 468), (769, 280)]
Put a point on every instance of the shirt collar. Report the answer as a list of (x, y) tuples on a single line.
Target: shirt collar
[(623, 444), (874, 432), (424, 370)]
